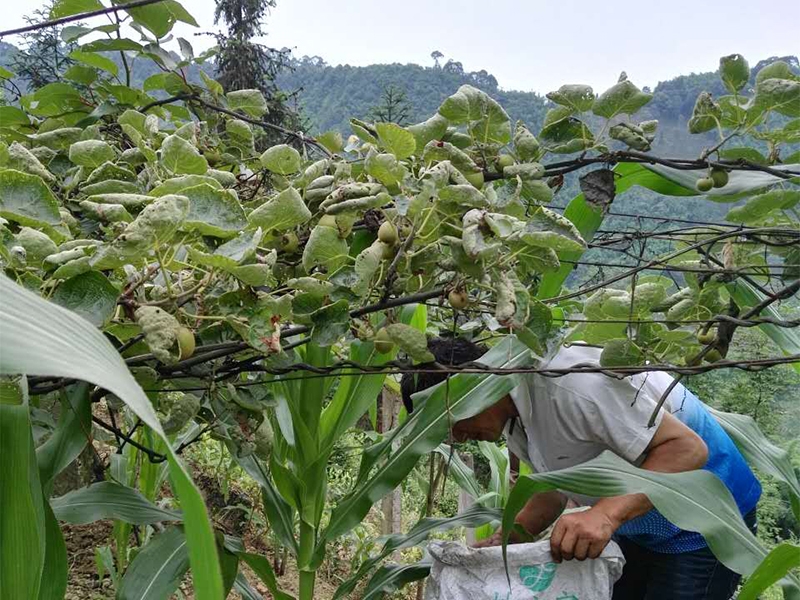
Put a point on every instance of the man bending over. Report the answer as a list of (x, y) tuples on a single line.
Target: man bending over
[(553, 423)]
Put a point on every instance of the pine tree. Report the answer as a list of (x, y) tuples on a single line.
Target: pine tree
[(244, 64), (394, 107), (43, 57)]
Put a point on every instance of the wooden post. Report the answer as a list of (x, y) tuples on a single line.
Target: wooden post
[(391, 504), (465, 499)]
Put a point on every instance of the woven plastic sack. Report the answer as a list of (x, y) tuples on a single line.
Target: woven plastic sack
[(462, 573)]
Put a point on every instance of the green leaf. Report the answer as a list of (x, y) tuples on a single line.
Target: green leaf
[(525, 171), (80, 74), (250, 102), (22, 519), (463, 476), (621, 353), (332, 141), (27, 200), (734, 72), (176, 185), (54, 99), (157, 18), (213, 211), (37, 244), (330, 323), (353, 396), (169, 82), (780, 562), (466, 395), (750, 154), (493, 124), (261, 567), (284, 211), (57, 139), (55, 571), (156, 224), (160, 332), (70, 33), (432, 129), (577, 97), (158, 569), (90, 295), (243, 587), (487, 120), (93, 59), (455, 108), (108, 171), (128, 200), (11, 116), (706, 114), (739, 183), (391, 578), (66, 8), (548, 229), (567, 135), (279, 513), (412, 341), (760, 206), (180, 156), (777, 70), (281, 159), (621, 98), (779, 95), (229, 565), (52, 341), (396, 139), (692, 500), (367, 264), (631, 135), (213, 86), (254, 275), (464, 194), (385, 168), (440, 151), (181, 14), (240, 135), (788, 340), (325, 249), (70, 436), (106, 213), (109, 500), (225, 178), (21, 159), (760, 452)]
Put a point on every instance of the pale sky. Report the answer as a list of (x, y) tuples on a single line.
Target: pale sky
[(532, 45)]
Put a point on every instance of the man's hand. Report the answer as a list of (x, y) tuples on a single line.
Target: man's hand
[(581, 535), (493, 540), (537, 515), (497, 540)]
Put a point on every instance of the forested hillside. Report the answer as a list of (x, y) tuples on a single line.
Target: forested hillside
[(330, 95)]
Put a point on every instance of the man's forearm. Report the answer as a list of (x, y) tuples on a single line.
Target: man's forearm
[(540, 511)]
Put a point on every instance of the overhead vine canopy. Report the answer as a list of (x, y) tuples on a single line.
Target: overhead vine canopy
[(248, 275)]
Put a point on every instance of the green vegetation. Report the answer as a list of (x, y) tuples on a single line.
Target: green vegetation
[(171, 276)]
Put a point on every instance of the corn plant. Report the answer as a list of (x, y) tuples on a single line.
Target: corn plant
[(160, 257)]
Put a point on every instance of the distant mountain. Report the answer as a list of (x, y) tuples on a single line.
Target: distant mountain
[(330, 95)]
